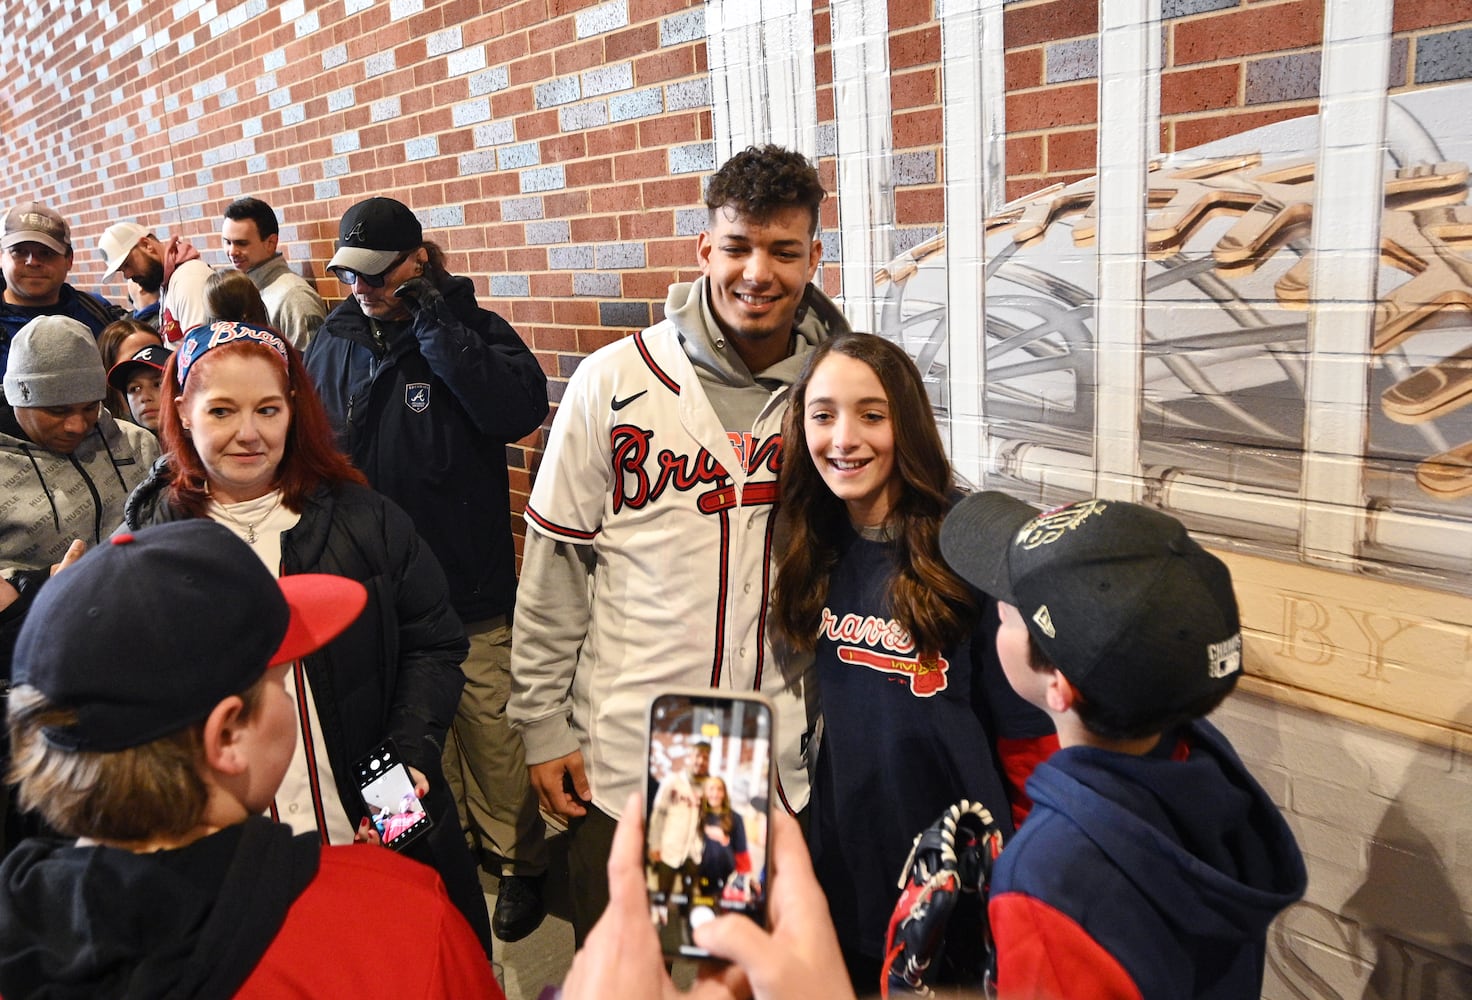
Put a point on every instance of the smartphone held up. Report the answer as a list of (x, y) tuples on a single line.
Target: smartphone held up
[(709, 792)]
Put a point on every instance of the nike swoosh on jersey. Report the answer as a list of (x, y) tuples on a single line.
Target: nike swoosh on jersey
[(619, 404)]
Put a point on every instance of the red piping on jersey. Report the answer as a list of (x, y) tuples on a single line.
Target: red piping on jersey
[(563, 530), (654, 368), (722, 595), (761, 620)]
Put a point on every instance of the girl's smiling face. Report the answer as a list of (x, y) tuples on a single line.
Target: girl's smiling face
[(850, 436)]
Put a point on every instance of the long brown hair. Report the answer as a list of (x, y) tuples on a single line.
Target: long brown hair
[(311, 456), (723, 814), (231, 295), (933, 604)]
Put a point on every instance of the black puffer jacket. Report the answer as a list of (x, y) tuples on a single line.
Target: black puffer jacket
[(395, 672), (426, 411)]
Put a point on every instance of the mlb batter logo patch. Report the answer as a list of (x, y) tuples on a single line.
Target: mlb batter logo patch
[(416, 396)]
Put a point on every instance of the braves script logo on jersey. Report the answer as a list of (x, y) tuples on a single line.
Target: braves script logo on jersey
[(636, 486), (896, 653)]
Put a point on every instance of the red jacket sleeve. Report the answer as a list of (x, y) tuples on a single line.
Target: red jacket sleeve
[(1044, 955)]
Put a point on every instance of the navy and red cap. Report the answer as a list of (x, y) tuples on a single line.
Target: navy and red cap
[(150, 358), (95, 642)]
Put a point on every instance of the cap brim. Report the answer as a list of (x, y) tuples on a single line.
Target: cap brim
[(363, 261), (118, 376), (114, 263), (28, 236), (977, 536), (321, 606)]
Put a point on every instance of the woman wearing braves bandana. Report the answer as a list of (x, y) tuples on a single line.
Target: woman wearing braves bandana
[(247, 444), (916, 713)]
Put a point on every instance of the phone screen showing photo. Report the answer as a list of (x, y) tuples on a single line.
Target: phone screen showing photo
[(388, 792), (710, 786)]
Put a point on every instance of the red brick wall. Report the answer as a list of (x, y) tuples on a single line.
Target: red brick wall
[(262, 107), (556, 147), (1228, 66)]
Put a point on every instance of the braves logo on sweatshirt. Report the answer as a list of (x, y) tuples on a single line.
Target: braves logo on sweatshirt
[(882, 644)]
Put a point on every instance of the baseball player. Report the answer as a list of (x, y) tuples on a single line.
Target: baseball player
[(650, 527)]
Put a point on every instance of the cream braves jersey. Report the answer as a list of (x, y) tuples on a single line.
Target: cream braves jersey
[(679, 514)]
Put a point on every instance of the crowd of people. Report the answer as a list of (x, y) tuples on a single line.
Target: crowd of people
[(246, 539)]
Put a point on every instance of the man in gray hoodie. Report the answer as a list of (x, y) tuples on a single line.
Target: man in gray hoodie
[(650, 522), (66, 467)]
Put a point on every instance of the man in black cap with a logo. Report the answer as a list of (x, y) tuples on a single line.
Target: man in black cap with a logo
[(35, 259), (426, 389)]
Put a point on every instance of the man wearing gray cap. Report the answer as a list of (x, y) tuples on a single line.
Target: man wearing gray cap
[(66, 467), (35, 258), (170, 268)]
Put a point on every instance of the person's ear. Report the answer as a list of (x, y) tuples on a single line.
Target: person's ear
[(224, 737), (1060, 693), (703, 249), (179, 405)]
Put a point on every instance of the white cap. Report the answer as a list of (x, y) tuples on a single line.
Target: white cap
[(117, 242)]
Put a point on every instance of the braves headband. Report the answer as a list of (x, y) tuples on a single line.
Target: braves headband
[(205, 338)]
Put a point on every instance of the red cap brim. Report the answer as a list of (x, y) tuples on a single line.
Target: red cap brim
[(322, 606)]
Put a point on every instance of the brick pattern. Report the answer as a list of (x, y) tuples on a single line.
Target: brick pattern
[(1228, 66), (918, 122), (549, 147)]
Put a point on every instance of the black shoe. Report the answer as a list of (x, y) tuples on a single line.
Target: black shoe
[(519, 907)]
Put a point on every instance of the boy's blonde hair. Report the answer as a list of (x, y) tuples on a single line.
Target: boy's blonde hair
[(152, 790)]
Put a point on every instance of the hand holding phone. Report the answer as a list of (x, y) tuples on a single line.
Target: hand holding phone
[(798, 959), (390, 794), (709, 788)]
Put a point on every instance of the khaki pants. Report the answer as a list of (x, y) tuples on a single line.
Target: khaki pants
[(486, 766)]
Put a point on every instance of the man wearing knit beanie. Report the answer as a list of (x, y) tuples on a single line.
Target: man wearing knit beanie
[(66, 467)]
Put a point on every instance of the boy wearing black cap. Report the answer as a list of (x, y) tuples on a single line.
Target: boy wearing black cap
[(1152, 862), (156, 743)]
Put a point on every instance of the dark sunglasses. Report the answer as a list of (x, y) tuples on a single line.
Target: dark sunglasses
[(350, 277)]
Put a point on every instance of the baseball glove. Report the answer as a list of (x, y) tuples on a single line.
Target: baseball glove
[(950, 860)]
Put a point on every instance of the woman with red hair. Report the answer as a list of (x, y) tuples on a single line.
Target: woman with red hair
[(247, 444)]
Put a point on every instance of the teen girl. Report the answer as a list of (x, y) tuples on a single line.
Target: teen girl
[(917, 713)]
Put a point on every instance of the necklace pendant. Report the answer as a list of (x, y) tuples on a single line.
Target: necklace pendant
[(250, 534)]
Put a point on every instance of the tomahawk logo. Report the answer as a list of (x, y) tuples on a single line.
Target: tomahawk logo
[(895, 652), (416, 396)]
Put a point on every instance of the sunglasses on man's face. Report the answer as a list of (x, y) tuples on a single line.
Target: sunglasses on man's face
[(350, 277)]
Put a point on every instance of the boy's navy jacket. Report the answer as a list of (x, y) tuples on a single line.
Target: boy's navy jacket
[(1151, 876)]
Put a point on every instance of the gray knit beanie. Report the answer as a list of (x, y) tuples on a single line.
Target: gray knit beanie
[(54, 361)]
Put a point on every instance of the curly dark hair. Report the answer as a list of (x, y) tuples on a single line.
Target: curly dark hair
[(761, 181)]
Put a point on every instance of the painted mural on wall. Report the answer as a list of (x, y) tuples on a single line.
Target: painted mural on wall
[(1223, 420)]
